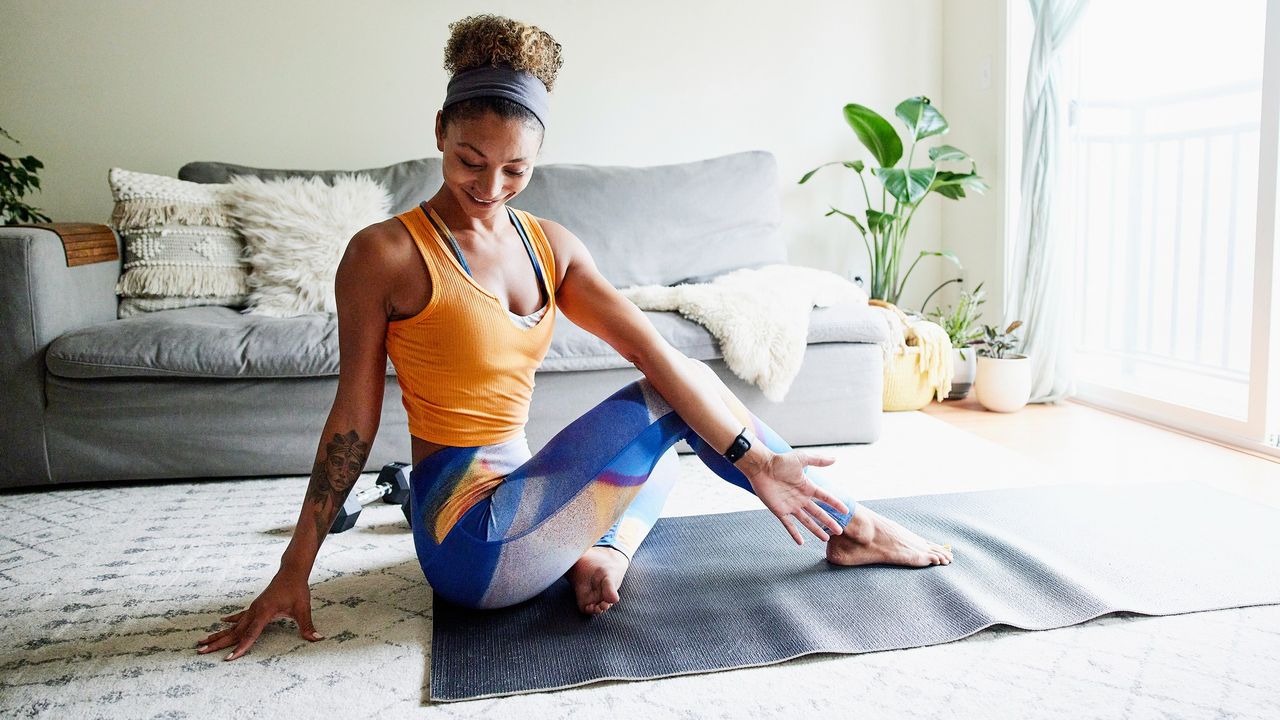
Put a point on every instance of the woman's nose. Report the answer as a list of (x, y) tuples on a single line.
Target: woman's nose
[(492, 186)]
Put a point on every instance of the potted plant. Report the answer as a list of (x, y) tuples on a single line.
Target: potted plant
[(960, 323), (1003, 381), (17, 178), (884, 230)]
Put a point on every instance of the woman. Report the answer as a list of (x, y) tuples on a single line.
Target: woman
[(461, 293)]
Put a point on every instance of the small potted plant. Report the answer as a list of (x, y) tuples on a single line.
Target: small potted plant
[(17, 178), (960, 323), (1003, 381)]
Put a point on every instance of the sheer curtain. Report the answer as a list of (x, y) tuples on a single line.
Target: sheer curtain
[(1038, 293)]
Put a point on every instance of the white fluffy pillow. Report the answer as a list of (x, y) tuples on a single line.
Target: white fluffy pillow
[(295, 232)]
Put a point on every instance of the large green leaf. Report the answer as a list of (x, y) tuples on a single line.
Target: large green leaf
[(975, 183), (947, 153), (922, 118), (955, 192), (952, 185), (875, 133), (908, 186)]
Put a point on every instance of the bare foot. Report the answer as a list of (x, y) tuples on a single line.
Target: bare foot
[(596, 577), (872, 538)]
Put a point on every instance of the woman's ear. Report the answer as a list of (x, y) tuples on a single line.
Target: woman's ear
[(439, 131)]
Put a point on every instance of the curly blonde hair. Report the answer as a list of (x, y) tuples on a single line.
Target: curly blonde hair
[(495, 40)]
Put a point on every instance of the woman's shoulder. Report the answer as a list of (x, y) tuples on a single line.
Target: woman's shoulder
[(563, 242), (386, 244), (383, 255)]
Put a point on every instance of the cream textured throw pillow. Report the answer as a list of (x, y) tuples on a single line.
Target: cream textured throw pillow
[(295, 232), (180, 248)]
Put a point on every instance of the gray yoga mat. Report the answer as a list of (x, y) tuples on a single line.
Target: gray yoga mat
[(713, 592)]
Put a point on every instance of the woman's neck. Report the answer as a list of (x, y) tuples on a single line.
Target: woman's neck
[(458, 220)]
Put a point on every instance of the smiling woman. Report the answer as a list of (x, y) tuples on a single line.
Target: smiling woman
[(433, 289)]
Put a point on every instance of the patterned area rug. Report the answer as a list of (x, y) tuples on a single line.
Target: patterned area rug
[(104, 592)]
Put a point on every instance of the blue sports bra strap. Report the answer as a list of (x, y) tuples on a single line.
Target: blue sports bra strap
[(462, 260), (542, 281), (441, 230)]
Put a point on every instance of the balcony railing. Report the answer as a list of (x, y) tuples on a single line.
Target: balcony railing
[(1164, 235)]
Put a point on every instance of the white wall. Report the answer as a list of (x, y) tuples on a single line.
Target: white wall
[(87, 85), (977, 106)]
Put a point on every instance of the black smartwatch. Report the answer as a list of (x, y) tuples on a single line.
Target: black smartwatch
[(739, 447)]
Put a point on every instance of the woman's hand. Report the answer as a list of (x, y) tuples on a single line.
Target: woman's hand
[(784, 488), (287, 596)]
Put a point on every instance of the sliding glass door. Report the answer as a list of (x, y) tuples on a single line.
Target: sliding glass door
[(1169, 195)]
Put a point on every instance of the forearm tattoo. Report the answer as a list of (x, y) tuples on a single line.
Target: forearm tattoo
[(333, 476)]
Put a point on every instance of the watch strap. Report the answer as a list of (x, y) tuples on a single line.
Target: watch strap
[(738, 448)]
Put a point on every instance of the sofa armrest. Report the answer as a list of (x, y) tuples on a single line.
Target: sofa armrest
[(82, 243), (54, 278)]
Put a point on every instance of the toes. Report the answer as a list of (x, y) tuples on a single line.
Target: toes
[(604, 587)]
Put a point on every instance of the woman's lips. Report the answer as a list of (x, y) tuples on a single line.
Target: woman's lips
[(479, 201)]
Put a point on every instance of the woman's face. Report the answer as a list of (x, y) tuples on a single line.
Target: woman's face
[(486, 158)]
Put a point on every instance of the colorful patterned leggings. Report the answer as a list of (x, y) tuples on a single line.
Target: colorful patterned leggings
[(600, 481)]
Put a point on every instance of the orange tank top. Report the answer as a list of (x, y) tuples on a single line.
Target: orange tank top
[(465, 369)]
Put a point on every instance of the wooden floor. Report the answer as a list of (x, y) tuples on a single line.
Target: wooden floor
[(1094, 442)]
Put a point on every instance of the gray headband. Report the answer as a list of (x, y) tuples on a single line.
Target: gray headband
[(519, 86)]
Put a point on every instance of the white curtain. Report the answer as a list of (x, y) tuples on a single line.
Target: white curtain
[(1038, 294)]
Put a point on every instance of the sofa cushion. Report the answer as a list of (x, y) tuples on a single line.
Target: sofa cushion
[(205, 341), (573, 348), (664, 224), (214, 341), (656, 225), (409, 181)]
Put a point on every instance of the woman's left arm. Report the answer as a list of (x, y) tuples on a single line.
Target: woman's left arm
[(592, 303)]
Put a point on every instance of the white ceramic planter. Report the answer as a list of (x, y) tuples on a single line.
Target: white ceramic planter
[(963, 371), (1004, 384)]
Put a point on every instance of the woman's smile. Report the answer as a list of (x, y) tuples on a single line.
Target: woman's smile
[(482, 203)]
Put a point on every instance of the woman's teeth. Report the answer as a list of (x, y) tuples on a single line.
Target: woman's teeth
[(482, 202)]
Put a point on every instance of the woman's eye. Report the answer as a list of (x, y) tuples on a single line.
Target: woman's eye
[(473, 167), (517, 174)]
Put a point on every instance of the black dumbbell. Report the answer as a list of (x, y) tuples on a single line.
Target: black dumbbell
[(392, 487)]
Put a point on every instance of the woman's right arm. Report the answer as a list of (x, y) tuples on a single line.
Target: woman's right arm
[(360, 288)]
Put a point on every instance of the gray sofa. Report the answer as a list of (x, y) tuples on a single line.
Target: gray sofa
[(212, 392)]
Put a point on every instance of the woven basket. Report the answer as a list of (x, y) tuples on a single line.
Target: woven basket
[(905, 387)]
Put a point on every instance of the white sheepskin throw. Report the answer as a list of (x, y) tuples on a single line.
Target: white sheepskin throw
[(760, 316), (295, 231)]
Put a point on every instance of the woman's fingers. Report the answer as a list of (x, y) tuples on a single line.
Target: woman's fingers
[(795, 534), (831, 500), (824, 517), (218, 644), (213, 637), (306, 628), (819, 460), (247, 640), (807, 520), (233, 617)]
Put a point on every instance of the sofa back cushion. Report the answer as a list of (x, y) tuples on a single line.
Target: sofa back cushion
[(665, 224), (656, 225), (408, 182)]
